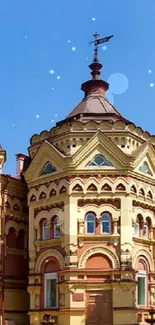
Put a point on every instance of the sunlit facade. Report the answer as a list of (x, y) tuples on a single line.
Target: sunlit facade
[(91, 216), (91, 205)]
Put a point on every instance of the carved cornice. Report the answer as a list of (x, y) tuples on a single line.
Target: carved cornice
[(59, 205), (115, 202), (144, 205), (15, 251), (49, 243)]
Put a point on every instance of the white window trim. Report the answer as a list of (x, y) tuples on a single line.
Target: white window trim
[(142, 274), (94, 222), (50, 276), (106, 233)]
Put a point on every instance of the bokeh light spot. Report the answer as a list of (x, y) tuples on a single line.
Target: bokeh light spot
[(104, 47), (51, 71), (118, 83)]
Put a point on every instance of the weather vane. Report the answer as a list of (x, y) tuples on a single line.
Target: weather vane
[(96, 42)]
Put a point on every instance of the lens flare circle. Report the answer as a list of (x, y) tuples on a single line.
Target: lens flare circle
[(118, 83)]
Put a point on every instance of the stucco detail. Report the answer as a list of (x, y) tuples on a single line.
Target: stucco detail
[(46, 254), (99, 250), (16, 226), (142, 252)]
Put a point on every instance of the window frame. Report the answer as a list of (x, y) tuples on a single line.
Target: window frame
[(110, 226), (142, 274), (43, 230), (104, 163), (57, 218), (86, 223), (50, 276)]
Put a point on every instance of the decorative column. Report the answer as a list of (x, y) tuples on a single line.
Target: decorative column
[(37, 300), (152, 296), (38, 233), (115, 226), (151, 233), (81, 227)]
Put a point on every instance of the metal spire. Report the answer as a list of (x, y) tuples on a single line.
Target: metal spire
[(96, 42)]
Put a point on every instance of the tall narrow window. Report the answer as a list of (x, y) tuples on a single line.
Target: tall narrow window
[(57, 228), (145, 232), (136, 229), (46, 230), (50, 290), (105, 224), (141, 288), (90, 224)]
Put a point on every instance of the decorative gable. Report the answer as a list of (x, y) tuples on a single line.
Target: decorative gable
[(99, 161), (144, 168), (48, 169)]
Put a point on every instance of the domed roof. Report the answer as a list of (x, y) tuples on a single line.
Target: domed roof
[(95, 106)]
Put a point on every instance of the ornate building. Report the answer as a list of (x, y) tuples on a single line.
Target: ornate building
[(91, 194), (14, 298)]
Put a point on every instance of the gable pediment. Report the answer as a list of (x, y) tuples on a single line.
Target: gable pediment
[(145, 160), (100, 146), (46, 161)]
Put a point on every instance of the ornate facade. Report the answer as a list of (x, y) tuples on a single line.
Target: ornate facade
[(91, 198), (91, 216), (14, 298)]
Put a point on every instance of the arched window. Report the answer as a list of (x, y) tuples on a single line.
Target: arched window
[(57, 228), (145, 232), (46, 230), (105, 224), (90, 224), (142, 285)]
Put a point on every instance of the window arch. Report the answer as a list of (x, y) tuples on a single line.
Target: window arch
[(57, 228), (45, 230), (90, 223), (105, 223), (99, 161)]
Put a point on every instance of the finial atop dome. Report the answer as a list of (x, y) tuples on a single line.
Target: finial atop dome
[(95, 66)]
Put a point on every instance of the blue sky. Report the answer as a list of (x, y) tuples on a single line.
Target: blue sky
[(37, 36)]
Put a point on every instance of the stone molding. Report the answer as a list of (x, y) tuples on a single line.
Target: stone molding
[(99, 250), (142, 252), (46, 254)]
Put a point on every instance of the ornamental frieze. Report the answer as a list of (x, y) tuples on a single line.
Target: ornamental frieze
[(143, 205), (47, 184), (49, 207), (115, 202), (16, 219)]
